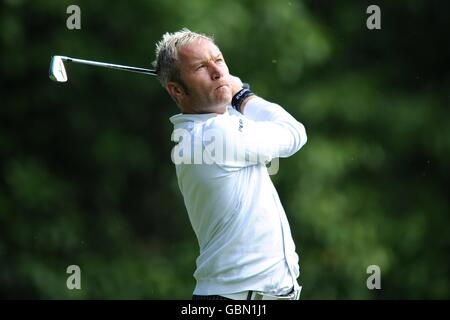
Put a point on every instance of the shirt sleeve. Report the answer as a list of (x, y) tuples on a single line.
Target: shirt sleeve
[(264, 132)]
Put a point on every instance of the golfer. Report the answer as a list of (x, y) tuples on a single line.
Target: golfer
[(225, 135)]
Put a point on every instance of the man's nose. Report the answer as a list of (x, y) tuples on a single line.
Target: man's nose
[(215, 71)]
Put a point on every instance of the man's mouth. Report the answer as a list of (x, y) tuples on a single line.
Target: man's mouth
[(221, 86)]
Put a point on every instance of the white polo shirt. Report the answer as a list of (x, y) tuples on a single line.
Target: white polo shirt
[(242, 230)]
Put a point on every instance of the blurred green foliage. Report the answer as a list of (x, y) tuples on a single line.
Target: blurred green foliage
[(86, 176)]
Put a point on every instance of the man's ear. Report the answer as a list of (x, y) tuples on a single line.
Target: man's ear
[(175, 90)]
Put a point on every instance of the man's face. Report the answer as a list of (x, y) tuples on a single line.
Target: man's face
[(205, 74)]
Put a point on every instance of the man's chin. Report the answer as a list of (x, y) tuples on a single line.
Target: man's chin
[(225, 98)]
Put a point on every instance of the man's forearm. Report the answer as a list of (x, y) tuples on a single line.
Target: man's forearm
[(269, 125)]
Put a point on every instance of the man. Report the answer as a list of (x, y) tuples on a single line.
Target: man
[(225, 135)]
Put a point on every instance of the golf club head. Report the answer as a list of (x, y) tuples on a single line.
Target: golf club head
[(57, 70)]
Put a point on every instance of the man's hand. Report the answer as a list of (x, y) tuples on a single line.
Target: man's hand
[(236, 85)]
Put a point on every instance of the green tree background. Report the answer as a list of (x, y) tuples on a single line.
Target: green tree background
[(86, 176)]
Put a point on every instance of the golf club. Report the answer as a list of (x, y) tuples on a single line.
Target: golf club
[(58, 72)]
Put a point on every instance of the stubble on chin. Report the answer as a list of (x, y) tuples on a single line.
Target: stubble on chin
[(225, 96)]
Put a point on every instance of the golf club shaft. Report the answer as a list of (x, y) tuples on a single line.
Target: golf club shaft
[(110, 65)]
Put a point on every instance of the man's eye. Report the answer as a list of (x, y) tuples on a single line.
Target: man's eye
[(200, 67), (219, 60)]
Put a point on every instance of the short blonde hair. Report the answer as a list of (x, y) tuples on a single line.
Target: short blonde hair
[(167, 62)]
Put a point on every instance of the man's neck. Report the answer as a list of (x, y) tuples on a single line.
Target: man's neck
[(218, 110)]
